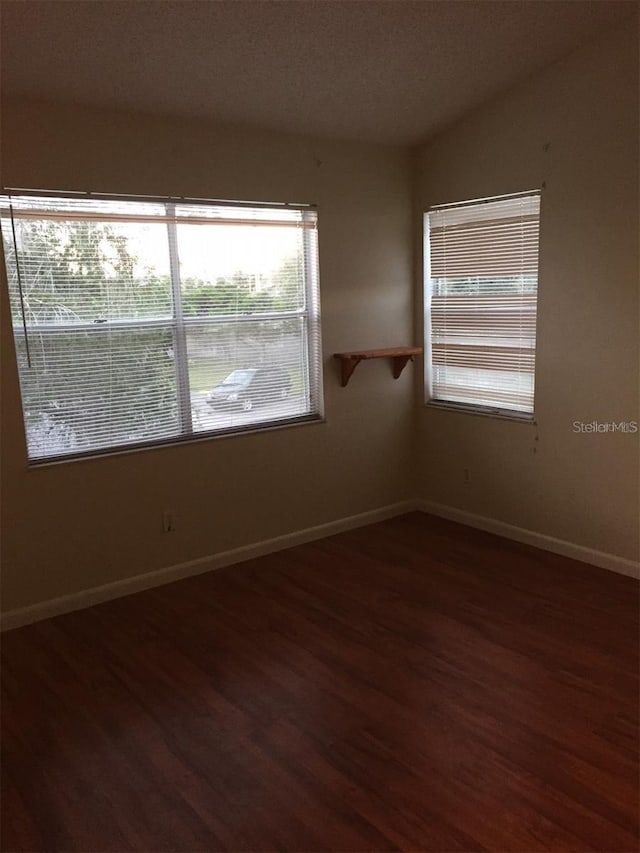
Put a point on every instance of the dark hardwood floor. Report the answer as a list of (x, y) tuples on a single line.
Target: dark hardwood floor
[(411, 685)]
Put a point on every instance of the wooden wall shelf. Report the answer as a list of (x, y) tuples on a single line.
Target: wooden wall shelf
[(399, 357)]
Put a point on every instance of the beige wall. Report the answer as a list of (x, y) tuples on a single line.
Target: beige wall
[(575, 129), (76, 525)]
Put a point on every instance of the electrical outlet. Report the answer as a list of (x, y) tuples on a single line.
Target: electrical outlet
[(168, 521)]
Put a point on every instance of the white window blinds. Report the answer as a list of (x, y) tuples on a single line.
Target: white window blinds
[(142, 322), (481, 282)]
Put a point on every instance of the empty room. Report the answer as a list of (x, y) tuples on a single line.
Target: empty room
[(320, 400)]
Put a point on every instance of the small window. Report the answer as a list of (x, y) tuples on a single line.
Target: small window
[(481, 285), (147, 322)]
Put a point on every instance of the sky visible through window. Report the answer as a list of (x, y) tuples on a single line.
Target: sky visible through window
[(207, 252)]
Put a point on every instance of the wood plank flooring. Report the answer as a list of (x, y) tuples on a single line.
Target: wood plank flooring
[(412, 685)]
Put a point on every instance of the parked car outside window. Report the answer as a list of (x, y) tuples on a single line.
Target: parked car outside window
[(251, 386)]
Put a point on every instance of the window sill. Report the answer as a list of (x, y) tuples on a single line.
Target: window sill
[(267, 427), (483, 412)]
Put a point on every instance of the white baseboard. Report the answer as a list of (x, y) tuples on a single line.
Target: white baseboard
[(621, 565), (86, 598)]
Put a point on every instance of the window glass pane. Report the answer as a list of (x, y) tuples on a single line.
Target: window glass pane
[(236, 269), (88, 390), (492, 388), (88, 271), (248, 372), (494, 285)]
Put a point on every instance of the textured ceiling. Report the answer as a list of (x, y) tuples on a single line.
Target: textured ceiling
[(392, 72)]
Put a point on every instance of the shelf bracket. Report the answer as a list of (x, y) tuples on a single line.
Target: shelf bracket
[(348, 365), (399, 362)]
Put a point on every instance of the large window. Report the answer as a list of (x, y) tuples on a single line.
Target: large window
[(481, 283), (140, 322)]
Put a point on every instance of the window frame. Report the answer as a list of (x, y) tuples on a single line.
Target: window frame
[(178, 325), (435, 403)]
